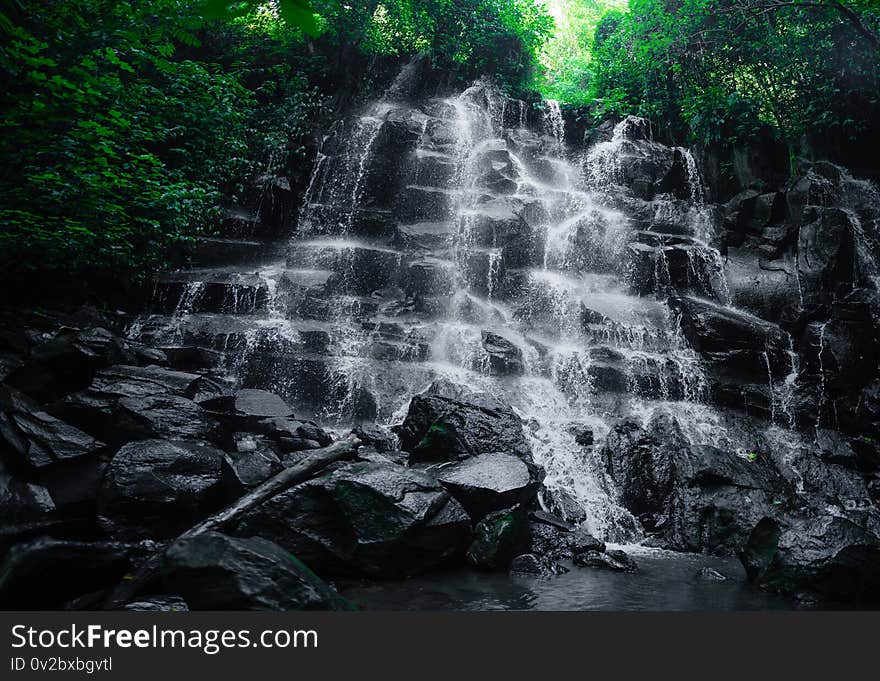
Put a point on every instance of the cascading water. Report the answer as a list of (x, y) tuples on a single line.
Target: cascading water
[(448, 239)]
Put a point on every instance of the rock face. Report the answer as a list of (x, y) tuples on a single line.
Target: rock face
[(157, 488), (693, 498), (450, 422), (216, 572), (370, 518), (827, 556)]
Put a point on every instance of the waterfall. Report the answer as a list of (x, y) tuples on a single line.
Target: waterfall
[(554, 124), (429, 226)]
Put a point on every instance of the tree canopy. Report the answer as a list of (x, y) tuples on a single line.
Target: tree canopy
[(123, 124)]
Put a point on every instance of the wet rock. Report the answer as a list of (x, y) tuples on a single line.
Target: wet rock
[(293, 435), (248, 406), (378, 519), (829, 556), (158, 488), (825, 253), (504, 357), (692, 497), (125, 402), (708, 574), (68, 362), (734, 341), (530, 565), (161, 416), (582, 435), (379, 437), (248, 466), (498, 539), (214, 572), (46, 573), (550, 519), (34, 439), (582, 542), (550, 542), (22, 501), (617, 561), (490, 482), (561, 503), (157, 604), (449, 422)]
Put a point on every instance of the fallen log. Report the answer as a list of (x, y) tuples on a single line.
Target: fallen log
[(299, 472)]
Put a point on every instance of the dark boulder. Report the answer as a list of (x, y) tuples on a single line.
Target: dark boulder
[(22, 501), (732, 341), (550, 541), (449, 422), (530, 565), (378, 437), (214, 572), (46, 573), (372, 518), (582, 542), (691, 497), (499, 538), (490, 482), (34, 439), (826, 253), (617, 561), (161, 416), (252, 463), (68, 362), (127, 402), (561, 503), (293, 435), (248, 406), (504, 357), (828, 556), (158, 488)]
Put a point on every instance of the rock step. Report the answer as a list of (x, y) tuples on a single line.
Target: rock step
[(208, 251), (210, 291)]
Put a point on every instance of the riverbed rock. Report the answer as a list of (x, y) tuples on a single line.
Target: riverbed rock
[(498, 539), (215, 572), (373, 518), (829, 556), (490, 482), (158, 488), (450, 422), (615, 560)]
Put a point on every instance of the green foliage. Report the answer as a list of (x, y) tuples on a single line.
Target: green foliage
[(567, 55), (465, 37), (719, 71)]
